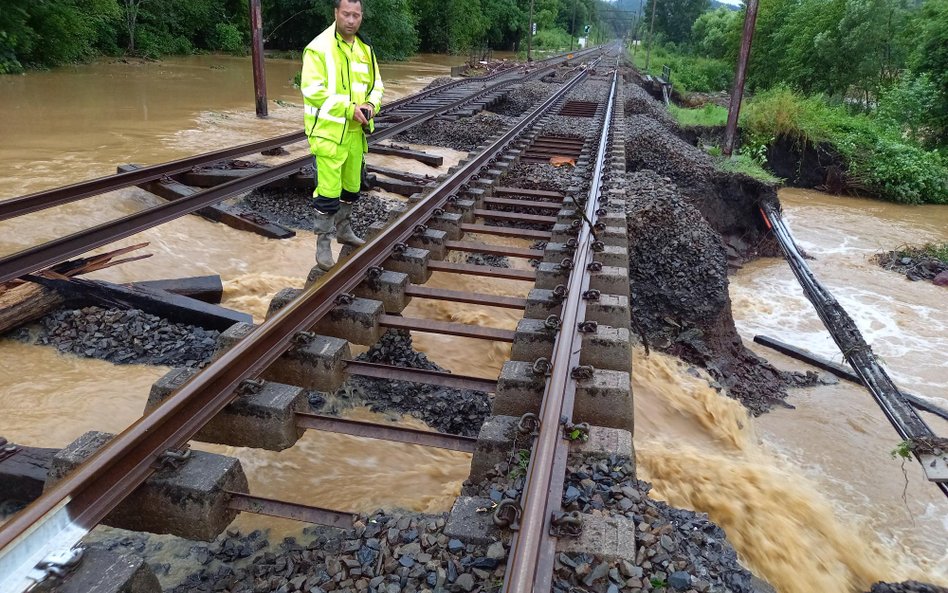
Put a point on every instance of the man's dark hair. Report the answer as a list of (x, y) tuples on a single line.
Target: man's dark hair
[(336, 3)]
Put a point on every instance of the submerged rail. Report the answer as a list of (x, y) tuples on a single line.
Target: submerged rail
[(40, 256), (19, 206)]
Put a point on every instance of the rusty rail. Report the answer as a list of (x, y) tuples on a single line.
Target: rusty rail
[(533, 548), (64, 513)]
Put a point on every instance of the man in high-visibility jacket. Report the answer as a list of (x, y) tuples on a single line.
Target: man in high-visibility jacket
[(342, 92)]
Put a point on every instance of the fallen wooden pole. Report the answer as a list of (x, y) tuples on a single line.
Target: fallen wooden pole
[(209, 289), (175, 308), (22, 301), (25, 303), (840, 371)]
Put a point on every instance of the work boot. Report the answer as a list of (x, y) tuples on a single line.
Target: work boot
[(322, 227), (344, 232)]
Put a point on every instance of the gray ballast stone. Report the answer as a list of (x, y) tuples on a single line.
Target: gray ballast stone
[(262, 419), (188, 501)]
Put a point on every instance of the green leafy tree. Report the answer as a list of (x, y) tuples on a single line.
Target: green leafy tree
[(674, 18), (508, 22), (390, 27), (908, 104), (717, 33), (450, 26), (929, 29)]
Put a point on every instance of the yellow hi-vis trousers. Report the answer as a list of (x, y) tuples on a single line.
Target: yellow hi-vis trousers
[(339, 166)]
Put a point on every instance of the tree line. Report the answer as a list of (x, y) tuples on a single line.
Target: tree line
[(872, 55), (46, 33)]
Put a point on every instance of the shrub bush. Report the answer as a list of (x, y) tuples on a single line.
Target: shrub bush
[(227, 37)]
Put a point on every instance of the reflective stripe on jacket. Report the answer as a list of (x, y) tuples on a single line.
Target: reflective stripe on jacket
[(336, 79)]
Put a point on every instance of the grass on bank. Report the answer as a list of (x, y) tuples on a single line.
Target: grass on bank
[(742, 163), (918, 253), (710, 115), (880, 158), (688, 73), (938, 251)]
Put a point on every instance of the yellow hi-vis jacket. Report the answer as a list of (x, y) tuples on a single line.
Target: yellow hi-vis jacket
[(336, 79)]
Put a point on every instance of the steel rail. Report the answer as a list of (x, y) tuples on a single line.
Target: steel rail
[(247, 503), (65, 512), (398, 434), (52, 252), (19, 206), (898, 411), (428, 377), (532, 547)]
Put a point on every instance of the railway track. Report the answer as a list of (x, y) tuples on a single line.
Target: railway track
[(418, 107), (581, 278), (438, 101)]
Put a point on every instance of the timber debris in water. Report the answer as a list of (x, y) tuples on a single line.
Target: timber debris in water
[(23, 300)]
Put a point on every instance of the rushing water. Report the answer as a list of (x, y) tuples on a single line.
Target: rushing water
[(810, 497)]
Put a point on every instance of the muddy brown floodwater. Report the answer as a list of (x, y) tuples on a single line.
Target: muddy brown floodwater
[(810, 497)]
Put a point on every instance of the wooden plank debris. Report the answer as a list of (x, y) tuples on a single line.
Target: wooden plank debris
[(232, 216)]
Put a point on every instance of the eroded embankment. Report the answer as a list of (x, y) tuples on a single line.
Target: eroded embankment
[(688, 222)]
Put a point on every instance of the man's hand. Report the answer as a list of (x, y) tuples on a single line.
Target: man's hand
[(360, 111)]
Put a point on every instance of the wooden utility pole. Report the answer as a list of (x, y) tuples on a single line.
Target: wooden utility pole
[(572, 32), (256, 50), (651, 35), (530, 34), (737, 93)]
